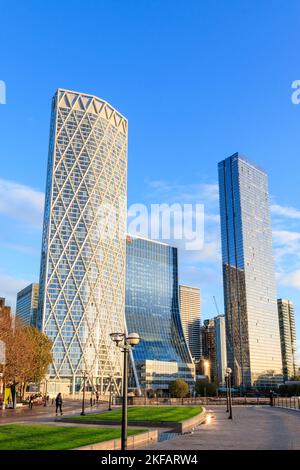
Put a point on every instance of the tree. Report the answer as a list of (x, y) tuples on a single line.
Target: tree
[(179, 388), (289, 390), (40, 355), (28, 353), (206, 388)]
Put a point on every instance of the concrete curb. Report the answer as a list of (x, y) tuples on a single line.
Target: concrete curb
[(133, 442)]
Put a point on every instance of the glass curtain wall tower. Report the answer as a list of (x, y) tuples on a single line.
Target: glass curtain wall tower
[(27, 304), (82, 277), (252, 327), (152, 310)]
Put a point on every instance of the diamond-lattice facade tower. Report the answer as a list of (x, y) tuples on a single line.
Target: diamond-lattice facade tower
[(82, 277)]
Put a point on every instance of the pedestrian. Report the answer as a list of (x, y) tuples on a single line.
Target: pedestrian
[(58, 403), (30, 402), (97, 397)]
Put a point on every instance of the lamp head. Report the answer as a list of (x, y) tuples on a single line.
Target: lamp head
[(133, 339), (117, 337)]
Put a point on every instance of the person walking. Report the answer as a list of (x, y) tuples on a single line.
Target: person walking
[(58, 403), (30, 402)]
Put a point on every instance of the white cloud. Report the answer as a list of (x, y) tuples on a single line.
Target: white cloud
[(285, 211), (291, 279), (9, 286), (206, 193), (21, 203)]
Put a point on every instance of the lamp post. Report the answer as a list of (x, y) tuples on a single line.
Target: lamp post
[(109, 403), (83, 394), (46, 391), (229, 371), (125, 343), (227, 393)]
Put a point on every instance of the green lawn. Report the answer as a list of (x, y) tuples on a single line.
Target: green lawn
[(30, 437), (148, 413)]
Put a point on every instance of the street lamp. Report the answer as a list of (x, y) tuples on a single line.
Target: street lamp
[(227, 393), (109, 403), (46, 392), (83, 394), (229, 372), (125, 343)]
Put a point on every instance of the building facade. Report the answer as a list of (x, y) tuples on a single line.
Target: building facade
[(253, 342), (82, 277), (208, 340), (189, 298), (27, 304), (287, 328), (152, 311), (220, 348)]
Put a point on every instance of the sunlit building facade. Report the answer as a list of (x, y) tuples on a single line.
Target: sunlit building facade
[(189, 298), (208, 341), (253, 341), (82, 278), (220, 348), (287, 328), (152, 310)]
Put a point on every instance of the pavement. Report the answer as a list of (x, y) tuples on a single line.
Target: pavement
[(252, 427), (45, 414)]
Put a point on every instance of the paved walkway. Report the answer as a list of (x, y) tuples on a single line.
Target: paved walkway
[(252, 427), (40, 413)]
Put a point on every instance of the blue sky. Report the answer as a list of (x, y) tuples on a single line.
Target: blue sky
[(197, 80)]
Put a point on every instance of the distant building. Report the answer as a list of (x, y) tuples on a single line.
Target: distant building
[(27, 304), (189, 298), (252, 326), (288, 337), (209, 345), (5, 312), (152, 311), (220, 347)]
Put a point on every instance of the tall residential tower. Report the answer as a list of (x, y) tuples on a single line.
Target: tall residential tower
[(189, 298), (82, 278), (287, 337), (253, 342)]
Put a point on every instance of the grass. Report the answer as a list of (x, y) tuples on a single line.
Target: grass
[(31, 437), (148, 413)]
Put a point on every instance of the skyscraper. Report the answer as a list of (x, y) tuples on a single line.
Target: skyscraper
[(220, 347), (287, 337), (27, 304), (82, 278), (208, 339), (152, 310), (253, 342), (189, 298)]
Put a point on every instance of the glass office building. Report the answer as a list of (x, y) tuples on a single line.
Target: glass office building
[(82, 278), (252, 327), (27, 304), (152, 311)]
